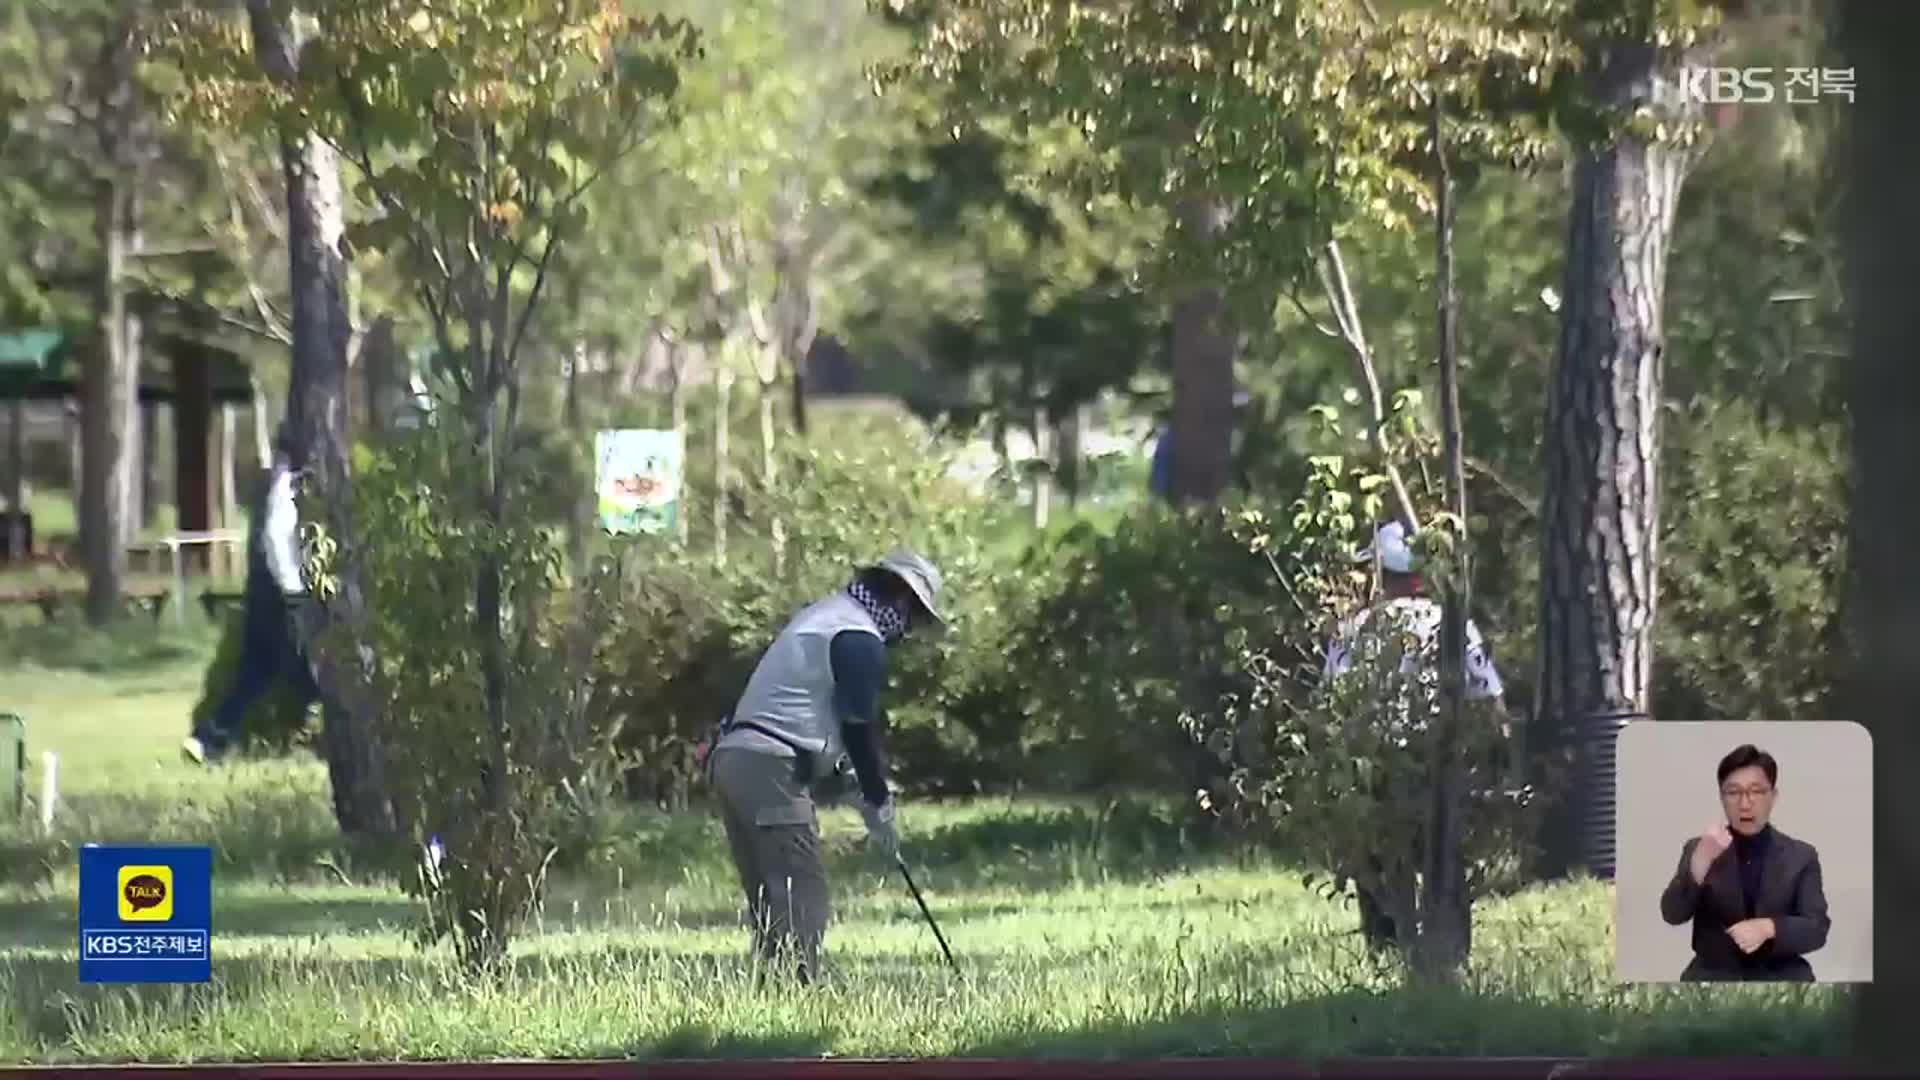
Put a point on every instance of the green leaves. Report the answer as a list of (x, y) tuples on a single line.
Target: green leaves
[(1301, 115)]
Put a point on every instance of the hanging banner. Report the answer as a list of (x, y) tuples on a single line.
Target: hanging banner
[(638, 479)]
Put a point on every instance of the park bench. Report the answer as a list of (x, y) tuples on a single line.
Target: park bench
[(227, 541)]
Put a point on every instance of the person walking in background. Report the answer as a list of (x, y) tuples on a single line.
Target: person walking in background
[(814, 696), (1758, 914), (275, 588)]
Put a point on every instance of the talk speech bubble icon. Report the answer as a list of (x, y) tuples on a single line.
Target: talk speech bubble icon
[(146, 893)]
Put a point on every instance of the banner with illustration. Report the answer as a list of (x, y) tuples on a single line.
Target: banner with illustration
[(638, 479)]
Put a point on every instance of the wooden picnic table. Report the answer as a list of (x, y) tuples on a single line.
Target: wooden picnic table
[(174, 543)]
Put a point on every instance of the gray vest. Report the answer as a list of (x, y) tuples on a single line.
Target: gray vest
[(791, 691)]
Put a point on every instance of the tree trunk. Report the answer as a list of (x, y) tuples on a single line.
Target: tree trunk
[(489, 594), (1203, 348), (1883, 257), (229, 516), (1446, 925), (570, 394), (797, 322), (1042, 433), (135, 437), (317, 419), (1070, 455), (381, 384), (581, 528), (77, 455), (17, 479), (149, 465), (262, 422), (107, 412), (770, 472), (1002, 455), (1600, 514), (677, 407), (797, 385), (317, 414), (722, 428)]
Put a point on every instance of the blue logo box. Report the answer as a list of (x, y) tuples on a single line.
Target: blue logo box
[(146, 914)]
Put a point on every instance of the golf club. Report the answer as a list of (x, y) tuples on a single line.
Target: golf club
[(901, 862)]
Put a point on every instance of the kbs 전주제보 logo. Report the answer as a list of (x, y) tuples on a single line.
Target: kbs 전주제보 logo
[(146, 914)]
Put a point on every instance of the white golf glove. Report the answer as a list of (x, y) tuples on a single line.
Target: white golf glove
[(882, 837)]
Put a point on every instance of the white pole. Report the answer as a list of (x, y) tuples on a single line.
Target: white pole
[(49, 789)]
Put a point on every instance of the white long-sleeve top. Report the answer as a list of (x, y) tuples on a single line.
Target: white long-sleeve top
[(280, 532), (1421, 617)]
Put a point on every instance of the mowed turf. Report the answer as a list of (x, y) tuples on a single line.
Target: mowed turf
[(1081, 929)]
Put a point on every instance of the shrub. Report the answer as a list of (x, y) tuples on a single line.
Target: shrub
[(1343, 771), (1119, 633), (687, 633), (500, 797), (1753, 569)]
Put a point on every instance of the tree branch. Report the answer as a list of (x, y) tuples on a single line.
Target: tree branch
[(533, 296), (272, 44), (1309, 317), (1333, 278)]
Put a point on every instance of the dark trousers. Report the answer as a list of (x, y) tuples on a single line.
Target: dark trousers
[(773, 832), (268, 652)]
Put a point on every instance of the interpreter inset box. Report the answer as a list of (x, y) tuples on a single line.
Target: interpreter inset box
[(1744, 852)]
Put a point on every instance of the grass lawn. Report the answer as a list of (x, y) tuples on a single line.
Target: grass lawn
[(1081, 930)]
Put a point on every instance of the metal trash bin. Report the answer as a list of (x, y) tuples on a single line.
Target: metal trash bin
[(1599, 735)]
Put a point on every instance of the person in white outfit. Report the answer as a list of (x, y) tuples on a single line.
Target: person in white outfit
[(1404, 606), (276, 587)]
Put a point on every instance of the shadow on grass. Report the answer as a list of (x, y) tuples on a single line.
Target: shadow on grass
[(51, 923), (1044, 849), (135, 645), (51, 1008), (1422, 1023)]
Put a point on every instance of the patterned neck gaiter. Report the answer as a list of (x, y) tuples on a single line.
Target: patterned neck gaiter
[(893, 625)]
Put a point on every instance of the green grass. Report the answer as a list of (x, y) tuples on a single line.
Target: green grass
[(1081, 930)]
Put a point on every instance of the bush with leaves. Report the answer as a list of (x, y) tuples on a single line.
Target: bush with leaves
[(500, 808), (687, 632), (1753, 569), (1342, 771), (1113, 635)]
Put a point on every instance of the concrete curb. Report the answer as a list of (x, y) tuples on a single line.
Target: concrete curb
[(997, 1069)]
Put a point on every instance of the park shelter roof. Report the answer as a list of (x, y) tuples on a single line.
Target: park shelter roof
[(35, 366), (28, 350)]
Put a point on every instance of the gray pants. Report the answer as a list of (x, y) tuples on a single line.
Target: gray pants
[(774, 834)]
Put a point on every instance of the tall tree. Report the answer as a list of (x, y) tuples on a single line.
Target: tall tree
[(1262, 130), (1446, 898), (111, 371), (317, 419), (476, 129), (1204, 344), (1600, 517), (1883, 258)]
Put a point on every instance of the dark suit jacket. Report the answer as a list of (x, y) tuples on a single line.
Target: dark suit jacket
[(1790, 894)]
